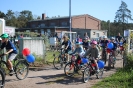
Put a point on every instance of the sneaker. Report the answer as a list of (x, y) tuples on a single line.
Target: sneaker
[(11, 72)]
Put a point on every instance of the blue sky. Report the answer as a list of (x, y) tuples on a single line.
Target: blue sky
[(101, 9)]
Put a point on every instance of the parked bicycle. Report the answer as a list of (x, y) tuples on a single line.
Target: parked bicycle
[(60, 60), (2, 78), (20, 66), (90, 70), (111, 61), (73, 67)]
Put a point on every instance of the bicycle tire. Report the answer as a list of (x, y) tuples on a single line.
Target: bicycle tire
[(109, 62), (2, 66), (104, 58), (117, 52), (58, 63), (20, 71), (88, 73), (100, 73), (2, 78), (71, 68)]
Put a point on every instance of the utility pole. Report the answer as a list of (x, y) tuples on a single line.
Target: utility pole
[(70, 20), (109, 28)]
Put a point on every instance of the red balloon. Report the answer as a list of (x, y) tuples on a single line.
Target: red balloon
[(26, 52)]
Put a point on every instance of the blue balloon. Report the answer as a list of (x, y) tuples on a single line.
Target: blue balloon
[(84, 60), (30, 58), (101, 64), (110, 45)]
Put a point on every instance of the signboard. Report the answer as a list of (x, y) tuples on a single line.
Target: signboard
[(10, 30), (126, 33), (2, 25)]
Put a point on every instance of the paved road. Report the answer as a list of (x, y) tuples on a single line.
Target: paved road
[(48, 77)]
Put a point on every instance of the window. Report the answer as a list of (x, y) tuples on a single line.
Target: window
[(97, 34), (33, 26), (36, 31), (42, 25), (93, 33), (42, 31), (52, 24), (64, 24)]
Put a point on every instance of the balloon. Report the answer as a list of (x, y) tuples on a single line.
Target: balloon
[(101, 64), (110, 45), (85, 60), (26, 51), (30, 58)]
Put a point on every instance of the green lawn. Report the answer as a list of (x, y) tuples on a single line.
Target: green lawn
[(123, 78)]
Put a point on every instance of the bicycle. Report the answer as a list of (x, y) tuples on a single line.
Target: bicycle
[(90, 70), (111, 60), (2, 78), (60, 60), (104, 55), (73, 67), (19, 66)]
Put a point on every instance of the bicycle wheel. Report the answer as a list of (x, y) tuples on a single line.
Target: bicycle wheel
[(117, 52), (58, 62), (100, 73), (86, 74), (109, 61), (104, 58), (21, 70), (2, 79), (3, 67), (69, 69)]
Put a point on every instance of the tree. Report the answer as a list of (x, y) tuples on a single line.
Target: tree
[(123, 15), (2, 15)]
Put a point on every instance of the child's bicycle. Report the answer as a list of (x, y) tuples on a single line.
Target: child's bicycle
[(59, 60), (20, 67), (73, 66), (90, 70), (111, 60)]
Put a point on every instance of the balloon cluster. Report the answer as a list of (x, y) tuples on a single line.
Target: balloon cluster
[(29, 57)]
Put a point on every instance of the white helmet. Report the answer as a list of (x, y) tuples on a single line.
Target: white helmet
[(112, 38), (104, 36)]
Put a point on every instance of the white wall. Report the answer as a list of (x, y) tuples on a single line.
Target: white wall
[(35, 46)]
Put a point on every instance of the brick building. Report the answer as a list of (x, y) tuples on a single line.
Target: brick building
[(58, 24)]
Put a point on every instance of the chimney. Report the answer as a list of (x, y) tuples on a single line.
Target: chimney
[(43, 16)]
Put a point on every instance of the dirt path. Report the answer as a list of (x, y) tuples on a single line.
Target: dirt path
[(51, 78)]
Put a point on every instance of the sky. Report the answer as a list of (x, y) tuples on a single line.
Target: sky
[(101, 9)]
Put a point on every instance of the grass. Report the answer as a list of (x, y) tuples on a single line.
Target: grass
[(48, 59), (123, 78)]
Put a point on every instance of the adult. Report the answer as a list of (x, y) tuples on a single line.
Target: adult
[(118, 38), (67, 46), (86, 36)]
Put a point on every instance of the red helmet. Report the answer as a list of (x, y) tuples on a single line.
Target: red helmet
[(94, 42)]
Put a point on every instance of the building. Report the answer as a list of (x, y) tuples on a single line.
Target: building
[(57, 24)]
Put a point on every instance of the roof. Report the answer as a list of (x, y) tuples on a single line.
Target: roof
[(63, 17)]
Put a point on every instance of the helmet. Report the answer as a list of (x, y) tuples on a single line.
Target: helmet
[(5, 35), (77, 43), (94, 42), (104, 36), (112, 38)]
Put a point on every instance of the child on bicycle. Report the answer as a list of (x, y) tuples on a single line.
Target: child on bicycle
[(68, 46), (11, 51), (115, 46), (78, 50), (94, 52)]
